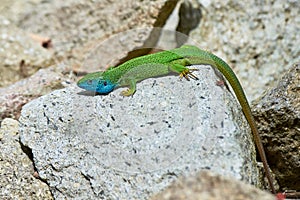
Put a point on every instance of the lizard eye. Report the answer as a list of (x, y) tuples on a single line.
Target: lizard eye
[(89, 82), (105, 83)]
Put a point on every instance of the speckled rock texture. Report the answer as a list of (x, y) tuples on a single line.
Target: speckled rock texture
[(278, 115), (114, 147), (259, 39), (83, 44), (16, 169), (13, 97), (96, 146), (209, 186)]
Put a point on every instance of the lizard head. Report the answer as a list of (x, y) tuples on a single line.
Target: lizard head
[(95, 82)]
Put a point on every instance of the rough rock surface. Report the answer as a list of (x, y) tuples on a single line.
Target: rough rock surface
[(16, 169), (110, 147), (77, 25), (13, 97), (82, 40), (209, 186), (278, 115), (257, 38), (261, 38), (20, 55), (75, 28)]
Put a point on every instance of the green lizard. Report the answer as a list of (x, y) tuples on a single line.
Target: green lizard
[(162, 63)]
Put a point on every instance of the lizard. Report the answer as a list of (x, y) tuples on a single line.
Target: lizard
[(162, 63)]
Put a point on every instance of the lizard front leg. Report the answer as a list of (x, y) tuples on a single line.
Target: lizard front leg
[(131, 90)]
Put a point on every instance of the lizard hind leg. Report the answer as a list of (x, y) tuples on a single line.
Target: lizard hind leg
[(180, 67)]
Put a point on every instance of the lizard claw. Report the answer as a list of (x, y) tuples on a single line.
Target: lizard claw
[(188, 73)]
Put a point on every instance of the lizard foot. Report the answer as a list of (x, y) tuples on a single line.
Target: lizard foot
[(127, 92), (188, 73)]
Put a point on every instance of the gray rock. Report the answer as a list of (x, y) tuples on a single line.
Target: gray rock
[(75, 25), (20, 55), (13, 97), (114, 147), (17, 179), (74, 28), (209, 186), (278, 114), (82, 40), (256, 38)]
